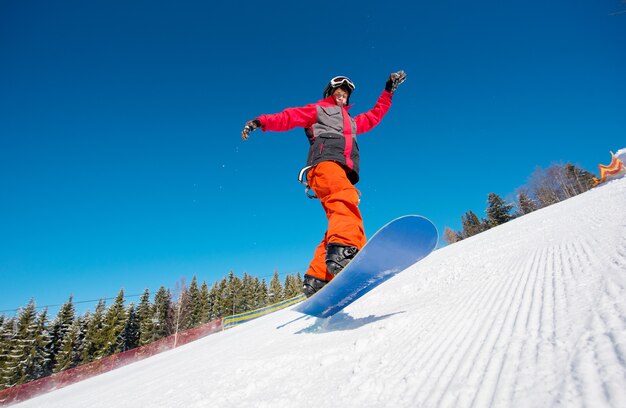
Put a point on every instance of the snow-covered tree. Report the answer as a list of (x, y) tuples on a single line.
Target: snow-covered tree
[(247, 301), (59, 328), (292, 287), (195, 305), (129, 338), (213, 302), (498, 211), (42, 346), (95, 341), (275, 293), (28, 357), (114, 322), (525, 204), (70, 353), (234, 296), (262, 292), (8, 339), (146, 319), (205, 303), (163, 313), (219, 293)]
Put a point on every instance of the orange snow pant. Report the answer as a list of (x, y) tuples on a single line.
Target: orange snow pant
[(340, 200)]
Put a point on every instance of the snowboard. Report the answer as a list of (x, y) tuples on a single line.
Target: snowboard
[(395, 247)]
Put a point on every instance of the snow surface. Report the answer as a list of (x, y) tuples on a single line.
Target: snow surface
[(528, 314)]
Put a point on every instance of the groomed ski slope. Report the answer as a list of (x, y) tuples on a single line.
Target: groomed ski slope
[(529, 314)]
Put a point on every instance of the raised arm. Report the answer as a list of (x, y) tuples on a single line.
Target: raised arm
[(288, 119), (366, 121)]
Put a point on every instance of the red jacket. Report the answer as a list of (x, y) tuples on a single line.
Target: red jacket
[(330, 129)]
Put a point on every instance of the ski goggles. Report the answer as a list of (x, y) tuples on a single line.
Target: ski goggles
[(342, 80)]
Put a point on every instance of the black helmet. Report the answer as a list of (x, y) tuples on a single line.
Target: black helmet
[(338, 82)]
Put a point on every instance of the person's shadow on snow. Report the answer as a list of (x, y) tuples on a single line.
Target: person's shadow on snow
[(342, 321)]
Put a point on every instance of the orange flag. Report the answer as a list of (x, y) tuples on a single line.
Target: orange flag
[(616, 166)]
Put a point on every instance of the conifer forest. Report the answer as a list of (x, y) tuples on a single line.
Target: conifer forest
[(34, 344)]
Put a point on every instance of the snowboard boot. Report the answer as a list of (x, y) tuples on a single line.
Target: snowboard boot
[(312, 285), (338, 256)]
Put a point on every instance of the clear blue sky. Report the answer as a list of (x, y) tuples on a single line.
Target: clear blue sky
[(120, 154)]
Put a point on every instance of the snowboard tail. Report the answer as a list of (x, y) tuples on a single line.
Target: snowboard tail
[(395, 247)]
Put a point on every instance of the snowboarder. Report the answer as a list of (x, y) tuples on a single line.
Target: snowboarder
[(332, 168)]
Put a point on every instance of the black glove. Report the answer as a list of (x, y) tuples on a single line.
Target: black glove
[(394, 80), (250, 127)]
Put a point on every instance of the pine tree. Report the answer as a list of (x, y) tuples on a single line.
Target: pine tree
[(220, 293), (8, 340), (262, 294), (146, 319), (213, 302), (114, 322), (16, 364), (195, 303), (254, 291), (287, 286), (247, 294), (498, 211), (95, 341), (69, 355), (60, 326), (163, 313), (41, 346), (233, 295), (205, 304), (471, 225), (276, 290), (28, 356), (130, 334), (579, 179), (525, 205), (292, 287), (299, 283), (83, 324)]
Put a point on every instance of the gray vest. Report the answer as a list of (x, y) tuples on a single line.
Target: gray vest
[(330, 143)]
